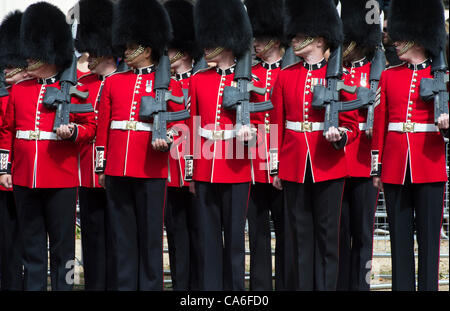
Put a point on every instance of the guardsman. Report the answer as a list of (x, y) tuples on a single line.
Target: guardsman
[(408, 150), (44, 163), (13, 64), (221, 176), (134, 169), (94, 36), (312, 166), (267, 24), (360, 196), (183, 51)]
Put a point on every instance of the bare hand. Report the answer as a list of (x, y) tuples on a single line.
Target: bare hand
[(443, 121), (160, 145), (192, 187), (101, 180), (6, 180), (333, 135), (246, 133), (65, 131), (377, 183), (277, 183)]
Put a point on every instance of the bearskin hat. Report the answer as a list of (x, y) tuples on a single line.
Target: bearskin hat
[(10, 41), (314, 18), (266, 17), (143, 22), (181, 13), (45, 35), (94, 34), (419, 21), (356, 28), (223, 23)]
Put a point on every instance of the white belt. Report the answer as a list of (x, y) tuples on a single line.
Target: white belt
[(217, 135), (36, 135), (411, 127), (362, 126), (304, 126), (131, 126)]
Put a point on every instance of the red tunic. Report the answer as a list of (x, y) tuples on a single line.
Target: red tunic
[(399, 102), (266, 76), (3, 104), (128, 152), (41, 163), (215, 161), (178, 150), (93, 84), (358, 152), (292, 97)]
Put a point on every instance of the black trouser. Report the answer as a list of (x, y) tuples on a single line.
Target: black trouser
[(265, 198), (221, 259), (426, 200), (93, 236), (10, 244), (135, 227), (356, 234), (314, 212), (178, 219), (41, 212)]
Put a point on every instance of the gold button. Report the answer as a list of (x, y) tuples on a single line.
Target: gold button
[(412, 91), (306, 103), (267, 114), (218, 117), (410, 103), (409, 108), (409, 115), (413, 86), (308, 86), (307, 92), (131, 119), (306, 116), (306, 109)]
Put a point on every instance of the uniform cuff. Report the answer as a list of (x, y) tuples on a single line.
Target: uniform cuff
[(189, 167), (375, 166), (100, 161)]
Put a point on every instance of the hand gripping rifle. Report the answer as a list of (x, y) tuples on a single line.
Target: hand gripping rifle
[(368, 95), (156, 107), (60, 99), (327, 97), (3, 91), (238, 97), (436, 88)]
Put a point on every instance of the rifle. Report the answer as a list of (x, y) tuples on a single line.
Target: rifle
[(156, 107), (436, 88), (3, 91), (327, 97), (289, 58), (238, 98), (200, 64), (368, 95), (60, 99)]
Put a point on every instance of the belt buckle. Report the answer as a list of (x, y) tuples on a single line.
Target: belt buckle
[(218, 135), (131, 125), (34, 135), (306, 126), (408, 127)]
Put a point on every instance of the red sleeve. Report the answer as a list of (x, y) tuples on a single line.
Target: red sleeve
[(104, 120), (380, 125), (279, 116), (349, 120), (85, 122), (7, 134), (176, 90)]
